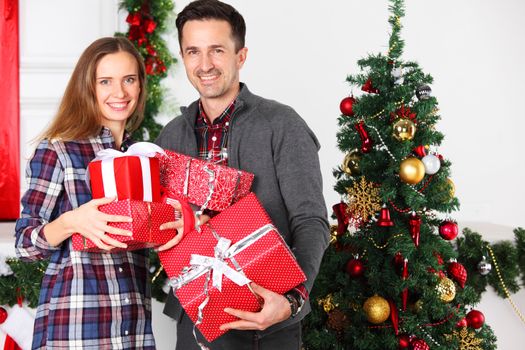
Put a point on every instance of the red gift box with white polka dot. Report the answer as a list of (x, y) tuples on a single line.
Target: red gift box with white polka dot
[(267, 262), (187, 178), (147, 218)]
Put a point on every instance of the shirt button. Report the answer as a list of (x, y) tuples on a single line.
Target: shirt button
[(122, 148), (126, 300), (120, 269), (214, 138), (227, 123), (126, 332)]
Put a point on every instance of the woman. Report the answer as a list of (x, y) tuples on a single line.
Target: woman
[(87, 300)]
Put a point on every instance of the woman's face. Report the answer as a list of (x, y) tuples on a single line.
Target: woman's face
[(117, 88)]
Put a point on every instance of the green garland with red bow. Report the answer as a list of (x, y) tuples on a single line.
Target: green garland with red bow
[(147, 22)]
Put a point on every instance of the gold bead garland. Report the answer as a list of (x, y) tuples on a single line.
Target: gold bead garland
[(507, 294)]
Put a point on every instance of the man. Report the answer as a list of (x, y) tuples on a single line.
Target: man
[(230, 124)]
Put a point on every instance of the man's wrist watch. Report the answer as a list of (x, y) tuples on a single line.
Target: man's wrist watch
[(296, 303)]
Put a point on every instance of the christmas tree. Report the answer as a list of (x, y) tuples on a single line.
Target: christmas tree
[(389, 279)]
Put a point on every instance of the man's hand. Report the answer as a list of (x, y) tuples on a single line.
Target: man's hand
[(276, 308), (177, 225)]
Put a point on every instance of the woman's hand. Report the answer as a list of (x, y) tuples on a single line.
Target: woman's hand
[(91, 223)]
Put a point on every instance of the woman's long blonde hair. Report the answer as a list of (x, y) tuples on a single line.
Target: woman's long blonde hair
[(78, 115)]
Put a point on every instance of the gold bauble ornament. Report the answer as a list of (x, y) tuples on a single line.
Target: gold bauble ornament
[(403, 129), (446, 289), (351, 162), (412, 170), (376, 309)]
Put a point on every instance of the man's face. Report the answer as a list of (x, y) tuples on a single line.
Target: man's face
[(209, 56)]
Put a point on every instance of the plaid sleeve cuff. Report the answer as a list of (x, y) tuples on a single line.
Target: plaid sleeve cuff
[(39, 239), (302, 291)]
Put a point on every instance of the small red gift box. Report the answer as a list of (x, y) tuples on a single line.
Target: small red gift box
[(147, 218), (205, 184), (257, 249), (134, 174)]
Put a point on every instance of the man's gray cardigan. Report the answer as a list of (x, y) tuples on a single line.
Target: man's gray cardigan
[(270, 140)]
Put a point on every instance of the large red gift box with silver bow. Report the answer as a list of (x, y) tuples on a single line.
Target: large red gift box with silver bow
[(205, 184), (134, 174), (211, 265), (147, 218)]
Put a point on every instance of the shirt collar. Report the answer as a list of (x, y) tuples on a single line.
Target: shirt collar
[(203, 118)]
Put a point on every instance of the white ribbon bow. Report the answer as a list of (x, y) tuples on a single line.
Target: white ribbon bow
[(218, 266), (143, 150)]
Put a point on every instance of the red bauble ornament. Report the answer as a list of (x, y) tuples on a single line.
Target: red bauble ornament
[(366, 142), (462, 323), (414, 226), (355, 268), (419, 344), (404, 341), (448, 230), (3, 315), (367, 87), (346, 106), (458, 273), (475, 319)]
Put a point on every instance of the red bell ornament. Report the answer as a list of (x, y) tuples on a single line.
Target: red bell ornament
[(475, 319), (384, 218), (366, 142), (448, 230), (355, 268), (414, 226), (347, 105)]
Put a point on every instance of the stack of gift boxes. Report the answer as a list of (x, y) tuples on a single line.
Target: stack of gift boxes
[(214, 264)]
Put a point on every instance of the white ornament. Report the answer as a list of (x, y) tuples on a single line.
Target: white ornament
[(397, 73), (5, 270), (431, 163)]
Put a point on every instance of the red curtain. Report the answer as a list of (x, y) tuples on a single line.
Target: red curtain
[(9, 112)]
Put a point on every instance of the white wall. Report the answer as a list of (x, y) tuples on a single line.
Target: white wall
[(300, 53)]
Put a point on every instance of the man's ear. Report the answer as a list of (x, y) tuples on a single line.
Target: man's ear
[(242, 54)]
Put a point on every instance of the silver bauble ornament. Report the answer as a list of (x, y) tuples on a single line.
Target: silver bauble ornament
[(423, 92), (432, 164), (484, 267)]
